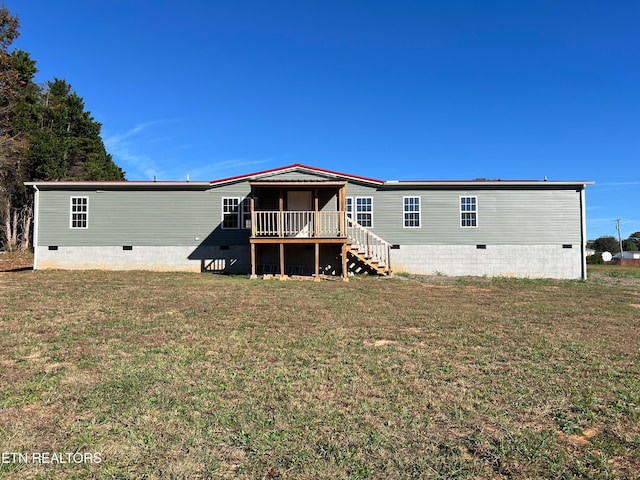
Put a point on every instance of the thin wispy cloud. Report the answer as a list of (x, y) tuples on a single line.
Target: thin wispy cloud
[(225, 168), (237, 164), (240, 163), (606, 226), (129, 133), (230, 167), (145, 152), (124, 147)]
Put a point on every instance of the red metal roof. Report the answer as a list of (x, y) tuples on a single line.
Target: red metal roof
[(294, 167)]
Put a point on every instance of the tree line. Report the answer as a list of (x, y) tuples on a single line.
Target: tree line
[(612, 245), (45, 134)]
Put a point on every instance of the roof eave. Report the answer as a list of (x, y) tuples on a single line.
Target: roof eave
[(128, 184), (492, 183)]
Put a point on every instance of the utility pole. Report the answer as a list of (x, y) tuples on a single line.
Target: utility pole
[(619, 239)]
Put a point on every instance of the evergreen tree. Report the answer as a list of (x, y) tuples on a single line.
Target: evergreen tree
[(22, 120), (9, 31), (12, 147), (45, 134), (69, 146)]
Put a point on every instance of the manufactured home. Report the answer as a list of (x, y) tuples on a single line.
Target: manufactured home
[(309, 221)]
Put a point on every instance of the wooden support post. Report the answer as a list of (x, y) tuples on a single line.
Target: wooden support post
[(316, 223), (253, 261), (345, 278), (280, 215), (388, 259), (282, 275), (317, 263), (342, 208), (252, 208)]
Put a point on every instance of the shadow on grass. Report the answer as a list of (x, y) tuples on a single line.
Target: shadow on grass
[(16, 269)]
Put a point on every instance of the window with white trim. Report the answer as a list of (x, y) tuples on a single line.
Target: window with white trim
[(246, 213), (79, 212), (230, 212), (364, 211), (411, 212), (350, 207), (468, 212)]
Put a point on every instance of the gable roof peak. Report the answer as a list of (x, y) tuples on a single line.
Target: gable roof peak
[(297, 167)]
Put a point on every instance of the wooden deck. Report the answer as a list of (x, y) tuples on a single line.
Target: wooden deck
[(305, 222)]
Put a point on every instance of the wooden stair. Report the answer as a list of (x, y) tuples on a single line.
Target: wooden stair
[(368, 249), (373, 265)]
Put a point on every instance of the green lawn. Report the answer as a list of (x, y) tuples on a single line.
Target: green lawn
[(170, 375)]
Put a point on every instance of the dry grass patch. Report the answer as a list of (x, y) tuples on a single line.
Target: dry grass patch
[(199, 376), (14, 261)]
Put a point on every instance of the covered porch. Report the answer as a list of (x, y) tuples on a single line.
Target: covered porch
[(293, 217)]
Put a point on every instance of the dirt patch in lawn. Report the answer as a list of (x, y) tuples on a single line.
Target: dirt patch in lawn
[(15, 261)]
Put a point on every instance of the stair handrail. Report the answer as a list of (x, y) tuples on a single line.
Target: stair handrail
[(375, 246)]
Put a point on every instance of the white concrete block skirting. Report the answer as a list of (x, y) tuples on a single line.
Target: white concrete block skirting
[(234, 259), (532, 261), (529, 261)]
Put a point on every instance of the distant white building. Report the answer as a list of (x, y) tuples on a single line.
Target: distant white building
[(627, 256)]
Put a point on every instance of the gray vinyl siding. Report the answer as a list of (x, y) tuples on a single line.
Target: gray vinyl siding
[(294, 177), (328, 200), (219, 235), (177, 216), (141, 217), (506, 216)]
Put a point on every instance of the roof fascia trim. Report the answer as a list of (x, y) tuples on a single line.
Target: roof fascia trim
[(127, 184), (480, 184), (297, 167)]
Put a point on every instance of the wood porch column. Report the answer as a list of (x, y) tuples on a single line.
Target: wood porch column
[(281, 210), (252, 208), (317, 263), (342, 207), (253, 260), (282, 276), (345, 278), (316, 223)]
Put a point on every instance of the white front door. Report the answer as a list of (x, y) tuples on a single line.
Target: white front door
[(299, 201)]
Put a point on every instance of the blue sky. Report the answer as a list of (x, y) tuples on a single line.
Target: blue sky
[(401, 89)]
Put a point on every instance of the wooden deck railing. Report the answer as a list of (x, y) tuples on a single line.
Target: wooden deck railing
[(298, 224), (368, 243)]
